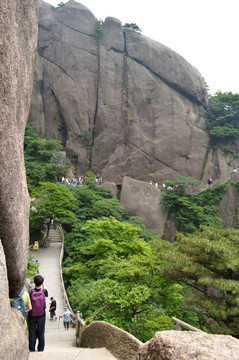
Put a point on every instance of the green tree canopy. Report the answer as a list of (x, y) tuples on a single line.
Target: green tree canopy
[(44, 160), (113, 276), (50, 200), (208, 263), (192, 210), (223, 116)]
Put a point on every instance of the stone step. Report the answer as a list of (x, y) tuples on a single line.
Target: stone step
[(62, 353), (54, 236)]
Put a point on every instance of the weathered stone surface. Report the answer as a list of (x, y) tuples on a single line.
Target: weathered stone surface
[(112, 187), (143, 199), (171, 67), (66, 75), (121, 344), (228, 209), (170, 229), (217, 166), (18, 29), (13, 336), (127, 106), (182, 345)]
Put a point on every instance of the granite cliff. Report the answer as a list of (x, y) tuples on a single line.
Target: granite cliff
[(120, 102), (18, 29)]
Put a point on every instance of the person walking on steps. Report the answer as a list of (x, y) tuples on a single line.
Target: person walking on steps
[(37, 316), (66, 318), (52, 308)]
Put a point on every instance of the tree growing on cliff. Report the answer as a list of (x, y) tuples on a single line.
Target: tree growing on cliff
[(132, 26), (192, 210), (223, 116), (43, 159), (208, 263)]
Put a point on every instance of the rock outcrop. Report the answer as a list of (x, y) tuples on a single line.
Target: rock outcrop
[(119, 342), (18, 40), (18, 28), (119, 102), (228, 209), (143, 199), (189, 345), (112, 187), (13, 337)]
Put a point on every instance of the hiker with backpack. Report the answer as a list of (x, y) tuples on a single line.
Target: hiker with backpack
[(37, 316), (22, 303)]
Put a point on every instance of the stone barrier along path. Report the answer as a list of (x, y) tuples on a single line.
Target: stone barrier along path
[(60, 343)]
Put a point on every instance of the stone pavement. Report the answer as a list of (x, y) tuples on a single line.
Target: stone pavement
[(60, 343)]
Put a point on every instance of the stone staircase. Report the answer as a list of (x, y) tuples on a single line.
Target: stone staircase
[(54, 236), (60, 344)]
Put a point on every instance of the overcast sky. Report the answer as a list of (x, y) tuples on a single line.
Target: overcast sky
[(204, 32)]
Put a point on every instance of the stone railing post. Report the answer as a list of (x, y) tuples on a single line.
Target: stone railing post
[(66, 300), (79, 328)]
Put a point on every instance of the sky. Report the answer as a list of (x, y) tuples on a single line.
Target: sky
[(204, 32)]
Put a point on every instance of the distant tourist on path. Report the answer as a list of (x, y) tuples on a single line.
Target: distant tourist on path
[(209, 182), (37, 316), (66, 318), (52, 308)]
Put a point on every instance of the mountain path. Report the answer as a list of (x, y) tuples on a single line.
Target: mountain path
[(59, 343)]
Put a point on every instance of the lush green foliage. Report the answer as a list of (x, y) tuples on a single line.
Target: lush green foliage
[(32, 267), (192, 210), (113, 274), (114, 271), (208, 262), (43, 159), (50, 200), (223, 116), (94, 201)]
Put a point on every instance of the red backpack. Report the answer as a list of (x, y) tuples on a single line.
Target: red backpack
[(38, 301)]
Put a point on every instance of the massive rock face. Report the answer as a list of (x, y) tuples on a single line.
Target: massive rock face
[(124, 104), (17, 48)]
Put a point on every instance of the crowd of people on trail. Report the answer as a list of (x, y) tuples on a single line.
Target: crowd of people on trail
[(32, 305), (80, 180), (164, 186)]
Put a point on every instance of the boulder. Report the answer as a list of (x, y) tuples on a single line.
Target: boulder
[(228, 209), (143, 199), (112, 187), (189, 345), (116, 99), (120, 343), (18, 28), (13, 336)]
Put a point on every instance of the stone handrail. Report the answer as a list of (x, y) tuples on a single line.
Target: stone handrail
[(66, 300), (121, 344), (181, 324)]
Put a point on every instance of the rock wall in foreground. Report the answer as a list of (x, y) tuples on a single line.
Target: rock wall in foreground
[(18, 39), (189, 345), (13, 337)]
